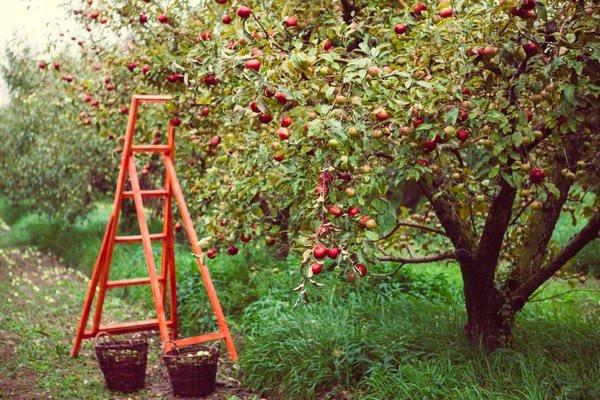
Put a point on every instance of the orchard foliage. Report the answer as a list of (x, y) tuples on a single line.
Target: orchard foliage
[(47, 162), (300, 122)]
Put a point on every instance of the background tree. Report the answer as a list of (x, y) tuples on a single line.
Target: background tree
[(299, 123)]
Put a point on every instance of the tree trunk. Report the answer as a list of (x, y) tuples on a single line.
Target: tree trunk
[(490, 318)]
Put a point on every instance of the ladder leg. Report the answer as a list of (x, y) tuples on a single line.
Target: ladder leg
[(139, 207), (96, 274), (189, 227)]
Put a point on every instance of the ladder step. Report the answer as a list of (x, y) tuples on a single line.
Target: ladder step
[(152, 148), (130, 282), (200, 339), (126, 327), (138, 238), (147, 193)]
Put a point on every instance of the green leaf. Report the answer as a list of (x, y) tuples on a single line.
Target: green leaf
[(552, 189), (494, 171), (451, 116)]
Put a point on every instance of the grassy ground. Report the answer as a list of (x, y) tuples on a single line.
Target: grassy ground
[(400, 338)]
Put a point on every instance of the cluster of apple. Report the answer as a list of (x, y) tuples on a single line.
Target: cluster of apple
[(320, 251)]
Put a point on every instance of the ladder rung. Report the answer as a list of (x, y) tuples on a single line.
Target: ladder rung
[(200, 339), (130, 282), (152, 98), (153, 148), (147, 193), (138, 238), (125, 327)]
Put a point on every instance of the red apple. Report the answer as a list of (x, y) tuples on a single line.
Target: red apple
[(278, 157), (326, 177), (323, 230), (333, 252), (253, 64), (462, 135), (211, 253), (529, 115), (537, 175), (163, 19), (446, 12), (56, 65), (42, 65), (205, 111), (382, 115), (527, 4), (209, 80), (283, 133), (362, 222), (143, 18), (244, 12), (178, 226), (286, 121), (352, 211), (429, 145), (417, 121), (214, 141), (280, 97), (175, 121), (254, 107), (336, 211), (270, 92), (423, 162), (226, 19), (327, 45), (265, 118), (322, 189), (400, 29), (362, 270), (291, 21), (530, 49), (269, 240), (316, 268), (245, 238), (131, 66), (221, 1), (419, 8), (320, 251), (232, 250), (124, 110)]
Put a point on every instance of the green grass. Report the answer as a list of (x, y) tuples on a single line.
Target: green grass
[(588, 259), (371, 346), (399, 338)]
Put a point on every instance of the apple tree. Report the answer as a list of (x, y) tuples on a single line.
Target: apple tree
[(301, 123)]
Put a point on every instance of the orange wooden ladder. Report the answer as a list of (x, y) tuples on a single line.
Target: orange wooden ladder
[(158, 281)]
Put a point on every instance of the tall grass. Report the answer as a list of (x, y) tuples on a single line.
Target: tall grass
[(370, 346)]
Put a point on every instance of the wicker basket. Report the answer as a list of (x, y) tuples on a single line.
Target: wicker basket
[(192, 369), (123, 362)]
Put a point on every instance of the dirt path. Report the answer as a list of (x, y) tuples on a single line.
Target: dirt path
[(42, 302)]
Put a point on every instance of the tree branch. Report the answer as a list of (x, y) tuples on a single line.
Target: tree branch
[(446, 255), (445, 205), (349, 8), (590, 232), (412, 225), (495, 227)]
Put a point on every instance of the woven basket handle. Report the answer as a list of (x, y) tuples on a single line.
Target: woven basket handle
[(172, 342), (101, 336)]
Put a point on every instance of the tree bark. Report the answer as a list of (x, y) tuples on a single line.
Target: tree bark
[(490, 318)]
